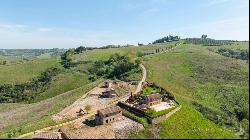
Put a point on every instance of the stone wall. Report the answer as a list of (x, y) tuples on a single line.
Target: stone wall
[(164, 117)]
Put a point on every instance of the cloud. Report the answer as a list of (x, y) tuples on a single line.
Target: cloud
[(12, 26), (215, 2), (28, 37), (44, 29)]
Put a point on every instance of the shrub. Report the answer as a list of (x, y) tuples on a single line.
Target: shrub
[(139, 54)]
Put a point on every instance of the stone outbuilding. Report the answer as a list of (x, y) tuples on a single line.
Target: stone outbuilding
[(108, 115), (109, 93), (108, 83), (152, 99), (47, 135)]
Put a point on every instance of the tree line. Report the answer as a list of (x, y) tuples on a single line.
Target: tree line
[(67, 57), (166, 39), (207, 41), (117, 66)]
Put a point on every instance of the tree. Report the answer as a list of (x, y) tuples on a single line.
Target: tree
[(139, 54), (117, 66), (4, 62), (167, 39), (88, 108), (138, 61), (204, 36), (67, 58), (80, 49), (140, 44)]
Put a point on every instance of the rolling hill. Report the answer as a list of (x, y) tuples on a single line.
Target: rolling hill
[(212, 88)]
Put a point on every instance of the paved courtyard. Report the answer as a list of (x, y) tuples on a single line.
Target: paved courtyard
[(163, 106)]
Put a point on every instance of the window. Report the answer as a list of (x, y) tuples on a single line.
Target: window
[(113, 118), (107, 121)]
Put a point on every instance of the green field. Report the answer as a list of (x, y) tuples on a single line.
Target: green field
[(234, 46), (20, 73), (103, 54), (63, 82)]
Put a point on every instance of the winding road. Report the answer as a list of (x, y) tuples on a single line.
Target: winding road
[(144, 76)]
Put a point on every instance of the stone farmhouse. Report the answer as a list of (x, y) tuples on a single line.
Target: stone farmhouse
[(108, 115), (152, 99)]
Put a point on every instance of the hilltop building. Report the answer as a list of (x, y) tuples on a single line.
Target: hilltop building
[(152, 99)]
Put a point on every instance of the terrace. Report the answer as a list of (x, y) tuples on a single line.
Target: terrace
[(153, 101)]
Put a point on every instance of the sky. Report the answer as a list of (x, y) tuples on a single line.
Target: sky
[(94, 23)]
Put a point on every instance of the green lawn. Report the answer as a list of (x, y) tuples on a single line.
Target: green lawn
[(149, 90), (185, 124)]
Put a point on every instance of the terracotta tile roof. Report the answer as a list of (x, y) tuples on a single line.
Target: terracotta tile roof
[(45, 135), (154, 97), (110, 110)]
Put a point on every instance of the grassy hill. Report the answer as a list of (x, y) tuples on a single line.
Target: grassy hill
[(197, 76), (206, 83), (103, 54), (18, 118), (20, 73)]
